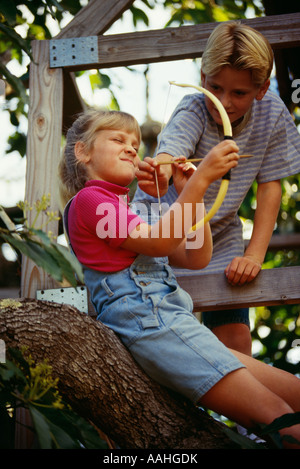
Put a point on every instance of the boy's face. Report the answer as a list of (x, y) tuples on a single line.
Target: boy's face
[(236, 91)]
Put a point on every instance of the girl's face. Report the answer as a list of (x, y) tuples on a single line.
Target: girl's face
[(113, 158), (236, 91)]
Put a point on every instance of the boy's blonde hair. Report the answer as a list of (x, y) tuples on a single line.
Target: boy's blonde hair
[(241, 47), (72, 172)]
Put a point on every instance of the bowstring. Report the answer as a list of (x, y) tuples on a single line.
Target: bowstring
[(158, 145)]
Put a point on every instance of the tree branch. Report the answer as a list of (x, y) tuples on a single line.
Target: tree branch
[(102, 382)]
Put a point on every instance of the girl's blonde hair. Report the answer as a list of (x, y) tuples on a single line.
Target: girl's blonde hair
[(72, 172), (241, 47)]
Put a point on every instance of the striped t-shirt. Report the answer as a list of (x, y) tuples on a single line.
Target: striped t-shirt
[(269, 134)]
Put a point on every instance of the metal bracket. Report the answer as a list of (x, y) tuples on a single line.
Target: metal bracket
[(73, 51), (70, 296)]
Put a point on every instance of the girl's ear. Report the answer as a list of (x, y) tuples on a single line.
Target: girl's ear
[(80, 152), (262, 90)]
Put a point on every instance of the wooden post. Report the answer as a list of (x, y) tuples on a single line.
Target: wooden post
[(43, 151)]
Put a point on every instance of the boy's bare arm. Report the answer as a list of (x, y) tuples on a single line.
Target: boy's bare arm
[(244, 269)]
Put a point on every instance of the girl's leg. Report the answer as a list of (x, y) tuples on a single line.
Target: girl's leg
[(280, 382), (245, 396)]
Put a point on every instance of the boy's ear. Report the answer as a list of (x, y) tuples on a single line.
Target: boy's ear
[(203, 76), (80, 152), (262, 90)]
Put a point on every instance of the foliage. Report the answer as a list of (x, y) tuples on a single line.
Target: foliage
[(205, 11), (25, 384), (22, 21), (40, 246)]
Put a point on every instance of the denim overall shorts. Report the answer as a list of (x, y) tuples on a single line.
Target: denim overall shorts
[(152, 315)]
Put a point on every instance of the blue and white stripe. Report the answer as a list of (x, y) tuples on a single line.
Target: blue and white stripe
[(270, 135)]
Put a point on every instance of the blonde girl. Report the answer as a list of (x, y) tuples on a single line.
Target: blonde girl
[(126, 262)]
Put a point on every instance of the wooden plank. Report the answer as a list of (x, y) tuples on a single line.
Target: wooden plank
[(271, 287), (43, 151), (95, 18), (282, 241), (73, 104), (162, 45)]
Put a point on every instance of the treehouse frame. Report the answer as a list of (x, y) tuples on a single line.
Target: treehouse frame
[(55, 99)]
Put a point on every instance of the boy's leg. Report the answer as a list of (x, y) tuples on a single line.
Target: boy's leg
[(231, 327), (235, 336)]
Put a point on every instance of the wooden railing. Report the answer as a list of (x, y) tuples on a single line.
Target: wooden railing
[(271, 287)]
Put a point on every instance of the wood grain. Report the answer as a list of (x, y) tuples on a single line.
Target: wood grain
[(95, 18), (271, 287), (43, 151), (162, 45)]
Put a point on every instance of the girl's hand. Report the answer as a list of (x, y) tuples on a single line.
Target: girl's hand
[(181, 172), (219, 161), (146, 177)]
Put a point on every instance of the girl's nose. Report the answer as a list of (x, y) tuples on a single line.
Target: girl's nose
[(130, 149)]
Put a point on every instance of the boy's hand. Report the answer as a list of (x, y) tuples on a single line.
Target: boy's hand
[(146, 177), (242, 270)]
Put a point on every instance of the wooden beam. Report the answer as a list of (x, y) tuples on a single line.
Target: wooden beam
[(73, 104), (95, 18), (43, 151), (162, 45), (271, 287), (282, 241)]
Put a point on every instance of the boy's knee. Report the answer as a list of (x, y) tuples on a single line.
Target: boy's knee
[(235, 336)]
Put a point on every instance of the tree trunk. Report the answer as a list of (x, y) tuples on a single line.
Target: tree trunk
[(102, 382)]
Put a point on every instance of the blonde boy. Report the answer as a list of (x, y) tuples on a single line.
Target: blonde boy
[(236, 67)]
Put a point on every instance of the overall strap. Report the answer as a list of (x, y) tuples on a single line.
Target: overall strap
[(66, 222)]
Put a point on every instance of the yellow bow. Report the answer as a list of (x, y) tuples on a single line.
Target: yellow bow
[(227, 134)]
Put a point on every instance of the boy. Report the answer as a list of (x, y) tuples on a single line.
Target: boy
[(236, 67)]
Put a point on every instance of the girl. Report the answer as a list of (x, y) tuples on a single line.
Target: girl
[(132, 286)]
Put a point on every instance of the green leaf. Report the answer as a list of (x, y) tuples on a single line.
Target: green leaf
[(41, 427), (68, 263), (87, 434), (15, 82), (243, 441), (37, 254), (70, 431), (73, 261), (9, 11), (17, 39)]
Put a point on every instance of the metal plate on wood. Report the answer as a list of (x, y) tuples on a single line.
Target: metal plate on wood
[(69, 296), (73, 51)]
